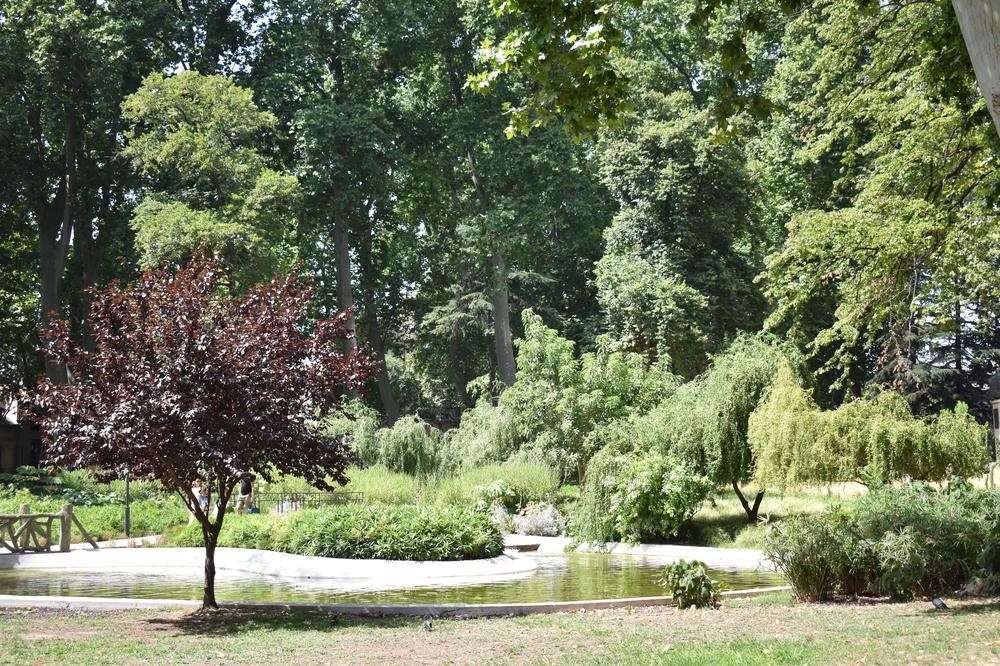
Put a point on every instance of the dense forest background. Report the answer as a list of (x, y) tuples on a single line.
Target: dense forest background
[(850, 213)]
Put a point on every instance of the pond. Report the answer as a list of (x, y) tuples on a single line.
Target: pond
[(559, 577)]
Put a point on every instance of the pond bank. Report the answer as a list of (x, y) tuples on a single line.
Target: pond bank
[(453, 611), (743, 559), (282, 565)]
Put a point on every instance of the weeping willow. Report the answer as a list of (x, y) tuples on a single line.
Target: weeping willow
[(873, 441)]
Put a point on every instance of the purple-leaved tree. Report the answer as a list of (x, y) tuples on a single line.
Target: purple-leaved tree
[(187, 382)]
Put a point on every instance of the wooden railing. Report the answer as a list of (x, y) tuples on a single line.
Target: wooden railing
[(26, 532)]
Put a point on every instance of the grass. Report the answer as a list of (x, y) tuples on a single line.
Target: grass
[(723, 523), (748, 632), (379, 485)]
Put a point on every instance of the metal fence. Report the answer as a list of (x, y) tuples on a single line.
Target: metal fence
[(285, 502)]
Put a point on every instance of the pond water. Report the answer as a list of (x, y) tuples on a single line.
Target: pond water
[(559, 577)]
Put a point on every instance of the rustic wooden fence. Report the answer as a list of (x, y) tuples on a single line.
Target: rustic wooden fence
[(26, 532)]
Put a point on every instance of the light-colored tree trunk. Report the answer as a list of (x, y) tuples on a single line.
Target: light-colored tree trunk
[(980, 22), (345, 293), (501, 321), (499, 295)]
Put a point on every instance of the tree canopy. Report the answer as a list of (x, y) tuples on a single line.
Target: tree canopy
[(740, 183)]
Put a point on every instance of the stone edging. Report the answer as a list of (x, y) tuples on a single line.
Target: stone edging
[(456, 611), (742, 559), (387, 573)]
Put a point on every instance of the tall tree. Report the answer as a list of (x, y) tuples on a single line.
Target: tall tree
[(196, 138), (66, 67), (903, 252)]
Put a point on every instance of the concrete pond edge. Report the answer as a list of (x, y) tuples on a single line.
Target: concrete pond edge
[(387, 573), (453, 611)]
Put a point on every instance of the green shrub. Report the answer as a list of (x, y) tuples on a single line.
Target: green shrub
[(907, 541), (813, 553), (77, 487), (409, 446), (378, 485), (245, 531), (556, 403), (654, 496), (363, 532), (689, 584), (487, 436), (636, 498)]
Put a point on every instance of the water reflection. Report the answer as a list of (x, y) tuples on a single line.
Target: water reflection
[(562, 577)]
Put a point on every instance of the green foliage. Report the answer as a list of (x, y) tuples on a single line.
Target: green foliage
[(76, 488), (498, 493), (704, 422), (32, 479), (813, 552), (567, 51), (363, 532), (379, 485), (870, 440), (636, 498), (487, 435), (654, 496), (556, 403), (410, 446), (593, 521), (197, 139), (886, 277), (690, 585), (901, 541), (676, 278)]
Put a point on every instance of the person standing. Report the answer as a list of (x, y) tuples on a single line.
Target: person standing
[(248, 493), (201, 493)]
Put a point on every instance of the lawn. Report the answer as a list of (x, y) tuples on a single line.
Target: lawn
[(722, 523), (768, 630)]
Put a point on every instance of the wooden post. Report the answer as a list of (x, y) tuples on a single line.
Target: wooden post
[(66, 527), (22, 542)]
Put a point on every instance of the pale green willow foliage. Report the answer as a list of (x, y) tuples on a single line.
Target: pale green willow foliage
[(556, 403), (410, 446), (704, 423), (874, 441)]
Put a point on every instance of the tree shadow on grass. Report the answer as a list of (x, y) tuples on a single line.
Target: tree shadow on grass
[(966, 607), (230, 621)]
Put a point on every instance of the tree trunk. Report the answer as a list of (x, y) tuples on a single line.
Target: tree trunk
[(390, 407), (751, 511), (491, 363), (501, 321), (980, 23), (499, 296), (87, 250), (345, 294), (389, 404), (208, 600), (55, 224), (455, 356)]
